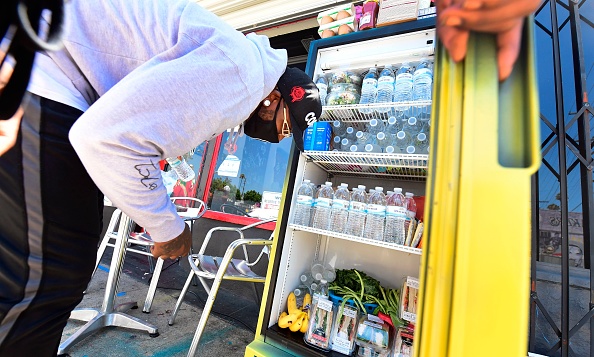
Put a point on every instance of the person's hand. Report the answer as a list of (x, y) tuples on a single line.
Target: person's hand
[(9, 130), (175, 248), (505, 18)]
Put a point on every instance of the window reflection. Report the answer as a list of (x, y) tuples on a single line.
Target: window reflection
[(250, 181)]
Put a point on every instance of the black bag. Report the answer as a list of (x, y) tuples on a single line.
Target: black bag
[(19, 26)]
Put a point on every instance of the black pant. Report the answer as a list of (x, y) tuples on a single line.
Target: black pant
[(50, 221)]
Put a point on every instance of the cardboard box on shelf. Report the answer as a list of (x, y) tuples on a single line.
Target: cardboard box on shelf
[(396, 11)]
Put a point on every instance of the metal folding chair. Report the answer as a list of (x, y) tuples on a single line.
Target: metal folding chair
[(144, 240), (219, 269)]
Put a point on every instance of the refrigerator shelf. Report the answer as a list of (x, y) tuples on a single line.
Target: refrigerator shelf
[(392, 246), (409, 167), (351, 113)]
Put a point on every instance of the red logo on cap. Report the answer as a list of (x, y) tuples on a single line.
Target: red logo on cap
[(297, 93)]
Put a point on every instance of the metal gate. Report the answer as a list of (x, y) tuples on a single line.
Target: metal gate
[(567, 166)]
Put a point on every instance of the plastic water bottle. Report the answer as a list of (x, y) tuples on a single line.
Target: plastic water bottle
[(412, 126), (345, 144), (402, 141), (395, 218), (403, 87), (385, 89), (411, 212), (357, 212), (369, 148), (336, 143), (317, 270), (422, 143), (306, 278), (340, 208), (382, 140), (389, 149), (322, 85), (350, 133), (374, 126), (376, 215), (338, 128), (322, 207), (368, 90), (422, 79), (304, 205), (355, 148), (321, 292), (300, 292), (363, 137), (393, 126), (182, 169)]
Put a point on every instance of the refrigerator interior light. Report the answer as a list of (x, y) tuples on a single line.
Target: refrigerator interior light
[(375, 61)]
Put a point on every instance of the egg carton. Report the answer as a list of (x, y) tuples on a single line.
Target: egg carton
[(334, 26), (334, 12)]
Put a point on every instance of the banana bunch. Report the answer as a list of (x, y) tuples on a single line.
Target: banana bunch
[(297, 318)]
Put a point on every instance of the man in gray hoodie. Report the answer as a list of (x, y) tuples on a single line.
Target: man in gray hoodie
[(136, 82)]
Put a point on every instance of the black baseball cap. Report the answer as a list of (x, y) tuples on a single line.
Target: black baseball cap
[(301, 95)]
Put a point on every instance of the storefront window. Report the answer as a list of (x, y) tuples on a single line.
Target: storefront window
[(195, 159), (249, 182)]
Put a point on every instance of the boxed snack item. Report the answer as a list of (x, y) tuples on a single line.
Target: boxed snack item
[(373, 336), (345, 327), (322, 136), (308, 138), (321, 318), (408, 307), (396, 11), (403, 343)]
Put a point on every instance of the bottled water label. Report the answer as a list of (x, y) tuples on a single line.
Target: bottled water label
[(376, 209), (304, 200), (405, 77), (340, 204), (370, 82), (358, 207), (323, 202), (411, 214), (385, 80), (396, 211)]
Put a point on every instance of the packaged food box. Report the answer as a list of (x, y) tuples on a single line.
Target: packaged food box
[(373, 334), (321, 137), (321, 318), (408, 307), (344, 330)]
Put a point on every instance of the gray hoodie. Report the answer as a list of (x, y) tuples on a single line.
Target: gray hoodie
[(160, 76)]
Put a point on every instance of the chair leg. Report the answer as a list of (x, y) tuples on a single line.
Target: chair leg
[(180, 299), (205, 314), (153, 286)]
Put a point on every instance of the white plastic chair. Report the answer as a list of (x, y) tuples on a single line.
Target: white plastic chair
[(144, 240), (219, 269)]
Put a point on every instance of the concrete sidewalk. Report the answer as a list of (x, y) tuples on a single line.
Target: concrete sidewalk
[(221, 338)]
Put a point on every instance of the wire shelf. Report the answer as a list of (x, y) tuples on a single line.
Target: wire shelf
[(352, 113), (377, 243), (403, 166)]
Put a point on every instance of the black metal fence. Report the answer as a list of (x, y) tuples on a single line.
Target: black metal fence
[(563, 187)]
